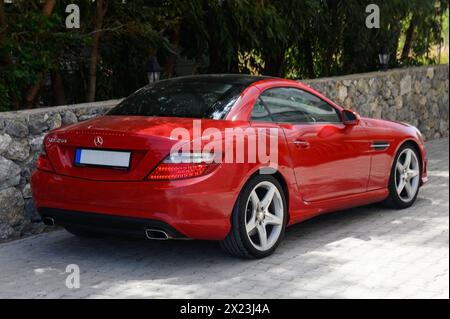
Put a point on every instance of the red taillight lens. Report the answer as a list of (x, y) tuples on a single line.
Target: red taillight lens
[(179, 171), (43, 163), (184, 165)]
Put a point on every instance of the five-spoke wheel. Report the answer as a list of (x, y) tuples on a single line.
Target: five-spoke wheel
[(407, 175), (264, 216), (404, 182), (258, 219)]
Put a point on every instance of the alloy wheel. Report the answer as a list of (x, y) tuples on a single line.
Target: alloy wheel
[(407, 175), (264, 216)]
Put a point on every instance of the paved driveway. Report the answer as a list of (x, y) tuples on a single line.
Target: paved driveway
[(359, 253)]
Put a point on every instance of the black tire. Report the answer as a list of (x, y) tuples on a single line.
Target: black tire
[(79, 232), (393, 200), (237, 242)]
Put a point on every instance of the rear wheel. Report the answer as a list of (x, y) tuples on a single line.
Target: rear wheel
[(404, 181), (258, 219)]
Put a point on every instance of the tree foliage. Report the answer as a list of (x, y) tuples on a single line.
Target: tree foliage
[(43, 63)]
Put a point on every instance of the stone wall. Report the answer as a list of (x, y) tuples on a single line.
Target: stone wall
[(21, 135), (416, 95)]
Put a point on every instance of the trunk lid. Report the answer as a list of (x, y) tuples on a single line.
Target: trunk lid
[(147, 138)]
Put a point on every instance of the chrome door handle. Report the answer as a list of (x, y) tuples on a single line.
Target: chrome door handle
[(302, 144)]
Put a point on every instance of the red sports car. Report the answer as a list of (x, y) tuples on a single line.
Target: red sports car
[(162, 164)]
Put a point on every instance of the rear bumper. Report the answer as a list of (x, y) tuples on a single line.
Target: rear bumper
[(197, 208), (109, 224)]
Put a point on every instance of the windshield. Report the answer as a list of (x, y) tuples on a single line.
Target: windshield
[(192, 98)]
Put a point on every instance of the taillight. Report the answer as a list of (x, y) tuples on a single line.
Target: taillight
[(43, 163), (183, 165)]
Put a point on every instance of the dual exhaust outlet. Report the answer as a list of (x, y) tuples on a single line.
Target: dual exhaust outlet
[(156, 234), (48, 221), (150, 233)]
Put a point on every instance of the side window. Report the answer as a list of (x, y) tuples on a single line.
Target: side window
[(317, 109), (282, 106), (259, 112), (297, 106)]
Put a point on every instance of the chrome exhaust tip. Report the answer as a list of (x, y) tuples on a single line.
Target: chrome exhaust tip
[(156, 234), (49, 221)]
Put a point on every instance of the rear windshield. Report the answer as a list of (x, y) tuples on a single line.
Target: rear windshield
[(182, 98)]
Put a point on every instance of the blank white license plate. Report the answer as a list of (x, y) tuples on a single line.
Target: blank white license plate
[(119, 159)]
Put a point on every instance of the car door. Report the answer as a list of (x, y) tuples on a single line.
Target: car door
[(329, 159)]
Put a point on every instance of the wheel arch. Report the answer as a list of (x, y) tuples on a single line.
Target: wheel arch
[(282, 180), (413, 143)]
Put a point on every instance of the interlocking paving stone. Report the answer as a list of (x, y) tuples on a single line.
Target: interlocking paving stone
[(367, 252)]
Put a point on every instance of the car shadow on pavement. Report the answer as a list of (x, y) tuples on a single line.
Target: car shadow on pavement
[(370, 252), (309, 252)]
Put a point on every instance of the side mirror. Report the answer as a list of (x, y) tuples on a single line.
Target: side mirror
[(350, 117)]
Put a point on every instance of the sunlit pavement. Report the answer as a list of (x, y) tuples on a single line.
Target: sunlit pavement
[(369, 252)]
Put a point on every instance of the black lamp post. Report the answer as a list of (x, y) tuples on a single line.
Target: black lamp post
[(384, 59)]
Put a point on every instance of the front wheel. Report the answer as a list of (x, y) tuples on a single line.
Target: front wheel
[(404, 181), (258, 219)]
